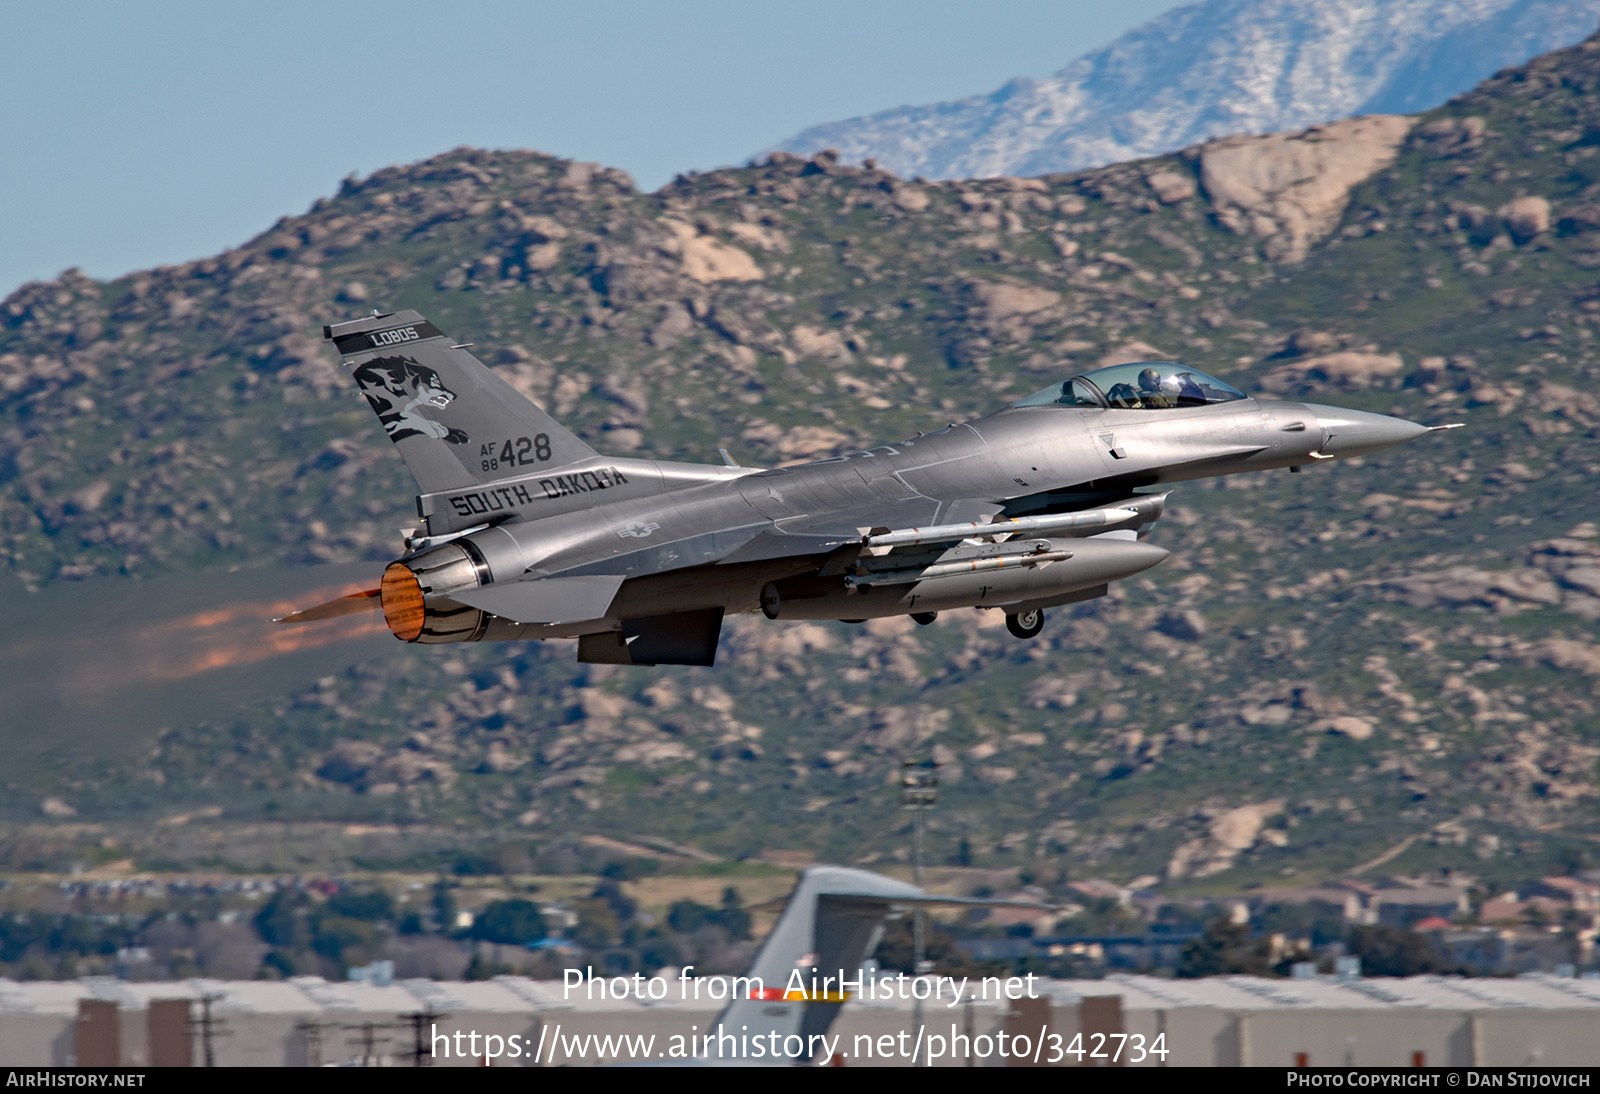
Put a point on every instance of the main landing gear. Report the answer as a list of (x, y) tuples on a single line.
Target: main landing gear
[(1026, 624)]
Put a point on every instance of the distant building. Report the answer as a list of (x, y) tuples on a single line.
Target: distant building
[(1404, 907), (1490, 950), (1505, 908), (1342, 904), (1583, 896), (1394, 903)]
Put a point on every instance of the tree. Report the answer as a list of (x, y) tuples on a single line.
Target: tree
[(444, 906), (515, 922), (371, 906), (896, 950), (611, 892), (658, 949), (18, 932), (282, 922), (597, 924), (630, 869), (688, 916), (336, 933), (284, 964), (732, 916), (1393, 951), (1101, 915), (1225, 948)]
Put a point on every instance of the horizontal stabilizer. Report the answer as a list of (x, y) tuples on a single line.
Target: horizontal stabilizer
[(547, 600)]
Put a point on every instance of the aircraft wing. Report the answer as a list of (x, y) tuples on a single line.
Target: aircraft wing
[(820, 533)]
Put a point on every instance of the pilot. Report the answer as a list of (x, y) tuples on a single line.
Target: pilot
[(1124, 397), (1151, 392)]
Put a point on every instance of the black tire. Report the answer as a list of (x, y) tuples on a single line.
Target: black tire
[(924, 618), (1026, 624)]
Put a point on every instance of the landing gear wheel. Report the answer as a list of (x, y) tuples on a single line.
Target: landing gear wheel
[(924, 618), (1026, 624)]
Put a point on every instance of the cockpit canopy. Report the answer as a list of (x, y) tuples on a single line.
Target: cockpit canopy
[(1142, 385)]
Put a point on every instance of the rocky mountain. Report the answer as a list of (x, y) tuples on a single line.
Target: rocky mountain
[(1391, 659), (1209, 69)]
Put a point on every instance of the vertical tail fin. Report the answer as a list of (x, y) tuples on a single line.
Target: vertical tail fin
[(832, 922), (453, 420), (830, 925)]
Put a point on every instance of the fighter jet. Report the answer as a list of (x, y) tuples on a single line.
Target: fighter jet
[(529, 533)]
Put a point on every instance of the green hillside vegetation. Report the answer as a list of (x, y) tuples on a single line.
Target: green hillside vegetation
[(1392, 650)]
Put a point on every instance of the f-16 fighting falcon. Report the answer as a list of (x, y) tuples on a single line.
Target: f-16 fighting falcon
[(528, 533)]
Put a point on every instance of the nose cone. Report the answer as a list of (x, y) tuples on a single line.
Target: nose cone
[(1347, 433), (1113, 556)]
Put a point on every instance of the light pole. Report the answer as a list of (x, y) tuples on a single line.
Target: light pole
[(919, 792)]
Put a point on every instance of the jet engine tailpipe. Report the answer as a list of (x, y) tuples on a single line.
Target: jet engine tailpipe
[(415, 595)]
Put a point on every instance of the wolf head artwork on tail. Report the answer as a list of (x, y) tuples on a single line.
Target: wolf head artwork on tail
[(454, 421), (396, 387)]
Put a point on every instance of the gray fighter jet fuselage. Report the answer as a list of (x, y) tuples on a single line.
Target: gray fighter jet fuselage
[(530, 534)]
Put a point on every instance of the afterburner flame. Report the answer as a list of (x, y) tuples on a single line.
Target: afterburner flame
[(72, 662), (235, 634), (403, 607)]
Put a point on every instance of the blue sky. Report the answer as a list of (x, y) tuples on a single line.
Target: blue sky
[(134, 135)]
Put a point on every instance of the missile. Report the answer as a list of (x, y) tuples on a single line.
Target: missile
[(1053, 522), (948, 569)]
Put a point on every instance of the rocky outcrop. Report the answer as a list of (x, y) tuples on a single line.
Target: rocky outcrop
[(1348, 371), (1170, 187), (1227, 835), (1526, 217), (1289, 189), (1570, 656), (1502, 591), (365, 765), (706, 259), (1345, 725)]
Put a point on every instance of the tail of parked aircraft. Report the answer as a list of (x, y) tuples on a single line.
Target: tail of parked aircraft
[(831, 924), (455, 422)]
